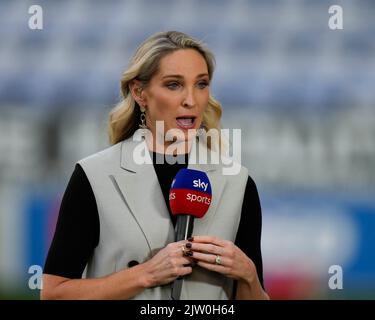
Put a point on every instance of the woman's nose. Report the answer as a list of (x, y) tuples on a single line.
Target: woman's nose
[(189, 100)]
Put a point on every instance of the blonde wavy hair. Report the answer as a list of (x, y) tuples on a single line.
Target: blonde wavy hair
[(124, 117)]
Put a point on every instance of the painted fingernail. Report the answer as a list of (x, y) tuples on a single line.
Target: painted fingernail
[(189, 253), (188, 245), (191, 239)]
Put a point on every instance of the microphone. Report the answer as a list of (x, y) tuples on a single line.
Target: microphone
[(189, 197)]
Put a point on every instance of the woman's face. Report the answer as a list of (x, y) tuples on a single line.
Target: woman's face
[(178, 93)]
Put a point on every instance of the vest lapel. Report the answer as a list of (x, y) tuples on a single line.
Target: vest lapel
[(217, 181), (141, 192)]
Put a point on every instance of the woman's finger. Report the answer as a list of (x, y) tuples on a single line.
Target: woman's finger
[(210, 258), (179, 248), (183, 260), (186, 270), (210, 239), (205, 248), (212, 267)]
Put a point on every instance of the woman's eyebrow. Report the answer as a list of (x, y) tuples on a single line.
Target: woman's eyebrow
[(181, 77), (173, 76), (202, 75)]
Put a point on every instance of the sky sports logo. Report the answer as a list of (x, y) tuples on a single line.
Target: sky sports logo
[(196, 184), (193, 198), (200, 184)]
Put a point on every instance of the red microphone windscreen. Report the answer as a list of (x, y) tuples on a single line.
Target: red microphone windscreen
[(190, 193)]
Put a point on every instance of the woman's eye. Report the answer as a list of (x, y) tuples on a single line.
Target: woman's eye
[(173, 85), (202, 84)]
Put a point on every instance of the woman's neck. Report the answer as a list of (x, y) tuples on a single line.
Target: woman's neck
[(170, 148)]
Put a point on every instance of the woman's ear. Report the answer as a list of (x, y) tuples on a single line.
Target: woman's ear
[(136, 89)]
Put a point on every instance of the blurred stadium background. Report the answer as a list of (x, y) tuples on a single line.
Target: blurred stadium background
[(302, 94)]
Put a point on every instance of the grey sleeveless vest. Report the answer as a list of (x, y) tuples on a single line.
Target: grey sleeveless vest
[(135, 223)]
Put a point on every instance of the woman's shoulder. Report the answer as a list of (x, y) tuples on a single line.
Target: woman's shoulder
[(231, 167), (240, 173), (108, 153)]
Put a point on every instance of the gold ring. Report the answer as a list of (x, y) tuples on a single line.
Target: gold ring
[(183, 250), (218, 260)]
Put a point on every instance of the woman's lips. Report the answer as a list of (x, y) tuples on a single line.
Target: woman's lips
[(186, 123)]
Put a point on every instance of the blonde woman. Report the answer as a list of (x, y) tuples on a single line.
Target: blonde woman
[(114, 237)]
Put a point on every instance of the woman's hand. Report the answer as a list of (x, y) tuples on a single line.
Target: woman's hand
[(222, 256), (225, 257), (168, 264)]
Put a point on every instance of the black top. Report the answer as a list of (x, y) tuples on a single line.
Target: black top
[(77, 230)]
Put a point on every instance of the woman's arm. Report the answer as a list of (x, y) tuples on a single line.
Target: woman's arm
[(248, 239), (77, 235), (250, 288), (124, 284), (246, 291), (164, 267)]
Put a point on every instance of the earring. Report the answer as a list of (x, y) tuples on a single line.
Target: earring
[(201, 131), (142, 124)]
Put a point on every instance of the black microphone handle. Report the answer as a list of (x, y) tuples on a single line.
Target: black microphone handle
[(184, 230), (184, 227)]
